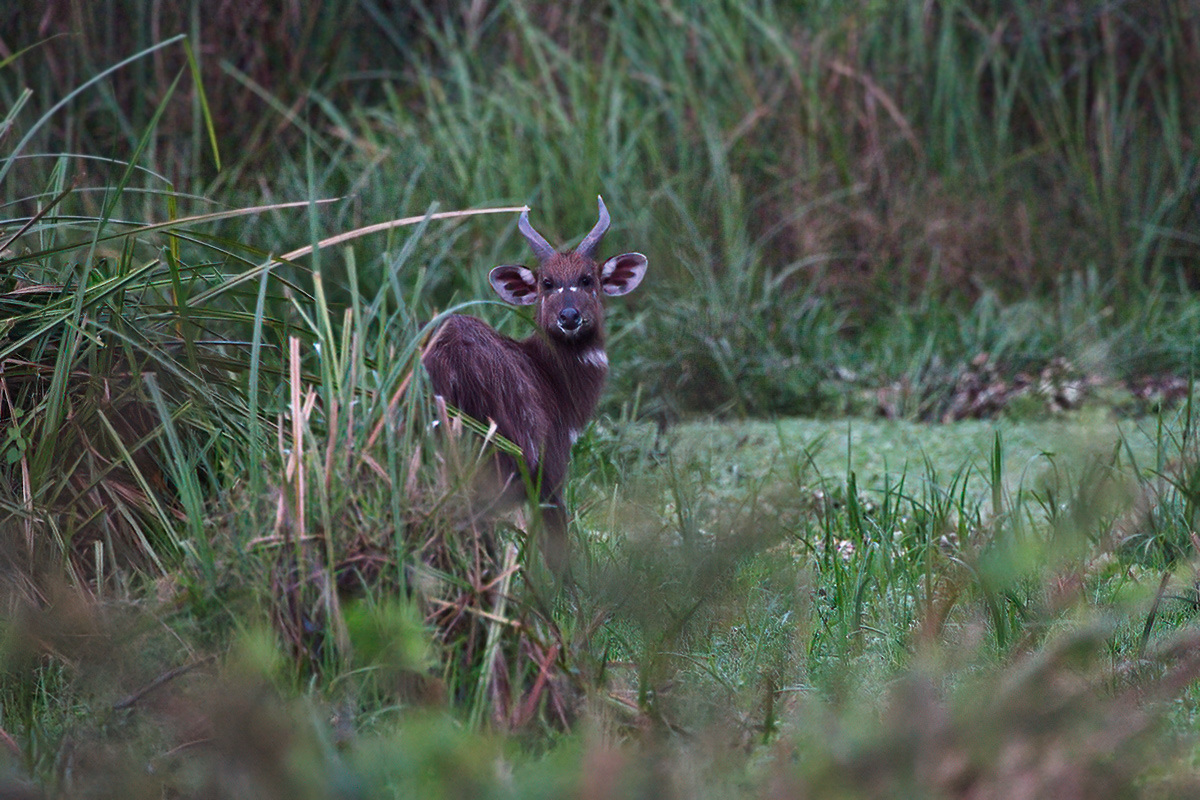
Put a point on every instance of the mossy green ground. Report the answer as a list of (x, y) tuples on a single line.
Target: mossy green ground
[(876, 449)]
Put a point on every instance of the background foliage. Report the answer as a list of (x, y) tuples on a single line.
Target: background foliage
[(805, 179)]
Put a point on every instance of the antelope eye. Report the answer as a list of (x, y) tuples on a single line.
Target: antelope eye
[(586, 280), (547, 283)]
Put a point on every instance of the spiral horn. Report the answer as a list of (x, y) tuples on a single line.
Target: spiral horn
[(541, 248), (588, 246)]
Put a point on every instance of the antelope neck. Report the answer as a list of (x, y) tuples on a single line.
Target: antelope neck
[(575, 372), (595, 356)]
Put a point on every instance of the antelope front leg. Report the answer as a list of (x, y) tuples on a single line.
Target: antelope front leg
[(554, 544)]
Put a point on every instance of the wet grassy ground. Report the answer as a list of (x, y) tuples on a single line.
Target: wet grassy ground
[(875, 449)]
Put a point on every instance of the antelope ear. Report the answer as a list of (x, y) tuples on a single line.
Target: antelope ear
[(515, 284), (622, 274)]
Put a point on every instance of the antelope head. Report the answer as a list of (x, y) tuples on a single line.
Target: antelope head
[(568, 287)]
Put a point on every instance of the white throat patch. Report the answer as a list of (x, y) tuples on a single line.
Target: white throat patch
[(596, 357)]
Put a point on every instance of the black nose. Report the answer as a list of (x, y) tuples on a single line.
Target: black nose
[(569, 319)]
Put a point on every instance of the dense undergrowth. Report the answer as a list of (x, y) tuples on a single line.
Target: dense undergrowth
[(237, 560)]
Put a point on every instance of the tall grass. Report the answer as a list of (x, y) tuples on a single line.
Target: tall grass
[(188, 415), (797, 175), (241, 559), (723, 615)]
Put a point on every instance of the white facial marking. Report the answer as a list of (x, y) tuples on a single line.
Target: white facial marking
[(596, 357)]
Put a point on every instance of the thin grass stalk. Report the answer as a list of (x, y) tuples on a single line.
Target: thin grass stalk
[(253, 423), (295, 459), (495, 623), (185, 480)]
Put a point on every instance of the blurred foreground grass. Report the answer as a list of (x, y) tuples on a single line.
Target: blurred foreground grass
[(736, 631)]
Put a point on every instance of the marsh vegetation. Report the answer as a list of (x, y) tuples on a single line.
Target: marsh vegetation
[(894, 489)]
